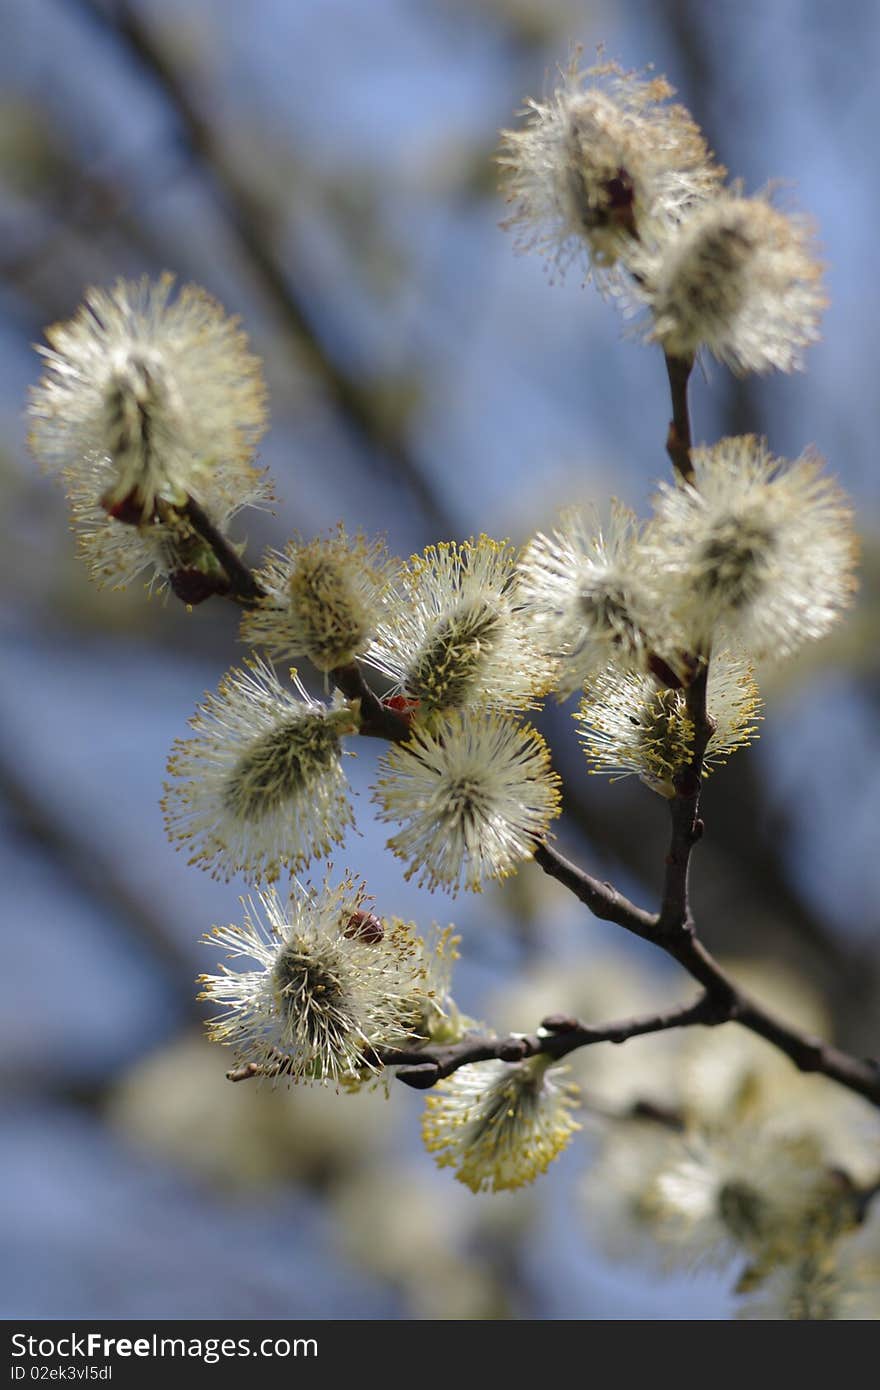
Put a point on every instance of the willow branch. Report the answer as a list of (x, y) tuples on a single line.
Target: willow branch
[(723, 998), (602, 898), (243, 584), (423, 1067), (558, 1036), (671, 930), (679, 441), (721, 1002), (687, 827)]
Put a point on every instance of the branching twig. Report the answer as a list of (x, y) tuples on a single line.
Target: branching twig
[(377, 719), (601, 898), (676, 935), (243, 584), (721, 1002), (558, 1037), (672, 929), (423, 1067)]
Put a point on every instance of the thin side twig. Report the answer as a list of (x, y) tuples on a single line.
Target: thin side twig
[(687, 827), (678, 440), (243, 584), (558, 1037)]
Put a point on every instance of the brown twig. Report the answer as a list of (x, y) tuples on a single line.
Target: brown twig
[(721, 1002), (377, 719), (727, 1002), (684, 809), (559, 1036), (679, 441), (243, 584), (423, 1067), (601, 898)]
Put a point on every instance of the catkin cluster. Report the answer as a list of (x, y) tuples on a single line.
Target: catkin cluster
[(150, 411)]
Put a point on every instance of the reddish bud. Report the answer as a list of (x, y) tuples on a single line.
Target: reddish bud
[(129, 509), (364, 926), (192, 586), (663, 672), (403, 705), (559, 1023)]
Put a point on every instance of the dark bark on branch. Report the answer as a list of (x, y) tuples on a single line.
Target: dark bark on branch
[(559, 1036), (243, 585), (678, 440), (602, 899), (721, 1002), (377, 720), (687, 827)]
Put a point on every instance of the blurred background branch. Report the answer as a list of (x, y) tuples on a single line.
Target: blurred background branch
[(250, 219)]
